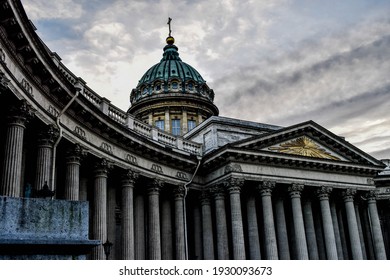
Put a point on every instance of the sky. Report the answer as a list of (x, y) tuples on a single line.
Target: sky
[(279, 62)]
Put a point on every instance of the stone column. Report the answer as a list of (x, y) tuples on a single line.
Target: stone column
[(128, 182), (207, 225), (180, 242), (265, 188), (359, 223), (12, 168), (319, 234), (154, 219), (343, 233), (139, 225), (234, 186), (221, 225), (166, 230), (356, 247), (377, 236), (310, 228), (72, 175), (198, 248), (253, 229), (99, 214), (281, 229), (327, 223), (336, 228), (44, 165), (299, 228), (368, 233)]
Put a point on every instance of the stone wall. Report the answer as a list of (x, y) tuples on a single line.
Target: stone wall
[(52, 229)]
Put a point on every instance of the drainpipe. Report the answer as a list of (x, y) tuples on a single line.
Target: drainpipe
[(79, 85), (184, 205)]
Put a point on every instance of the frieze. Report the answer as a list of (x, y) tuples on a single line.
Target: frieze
[(3, 80), (233, 167), (181, 175), (132, 159), (2, 55), (106, 147), (80, 132), (26, 85), (53, 111), (157, 168)]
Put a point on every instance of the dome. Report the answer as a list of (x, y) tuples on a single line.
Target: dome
[(172, 95), (171, 75)]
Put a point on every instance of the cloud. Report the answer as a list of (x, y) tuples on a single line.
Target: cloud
[(279, 62), (64, 9)]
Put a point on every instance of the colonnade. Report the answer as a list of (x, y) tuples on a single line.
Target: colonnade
[(234, 219)]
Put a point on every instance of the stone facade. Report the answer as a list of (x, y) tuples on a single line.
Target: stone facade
[(228, 189)]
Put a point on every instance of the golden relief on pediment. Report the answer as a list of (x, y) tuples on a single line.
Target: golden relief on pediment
[(303, 146)]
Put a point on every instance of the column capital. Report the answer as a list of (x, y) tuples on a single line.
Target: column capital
[(295, 190), (323, 192), (205, 197), (129, 177), (75, 154), (179, 192), (371, 196), (102, 166), (155, 186), (348, 194), (234, 185), (266, 187), (217, 191), (47, 136), (20, 113)]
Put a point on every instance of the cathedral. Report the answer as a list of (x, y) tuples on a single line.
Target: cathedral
[(170, 178)]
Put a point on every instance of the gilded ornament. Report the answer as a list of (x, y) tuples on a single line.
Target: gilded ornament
[(303, 146)]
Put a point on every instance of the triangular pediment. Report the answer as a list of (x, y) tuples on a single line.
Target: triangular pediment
[(308, 140)]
